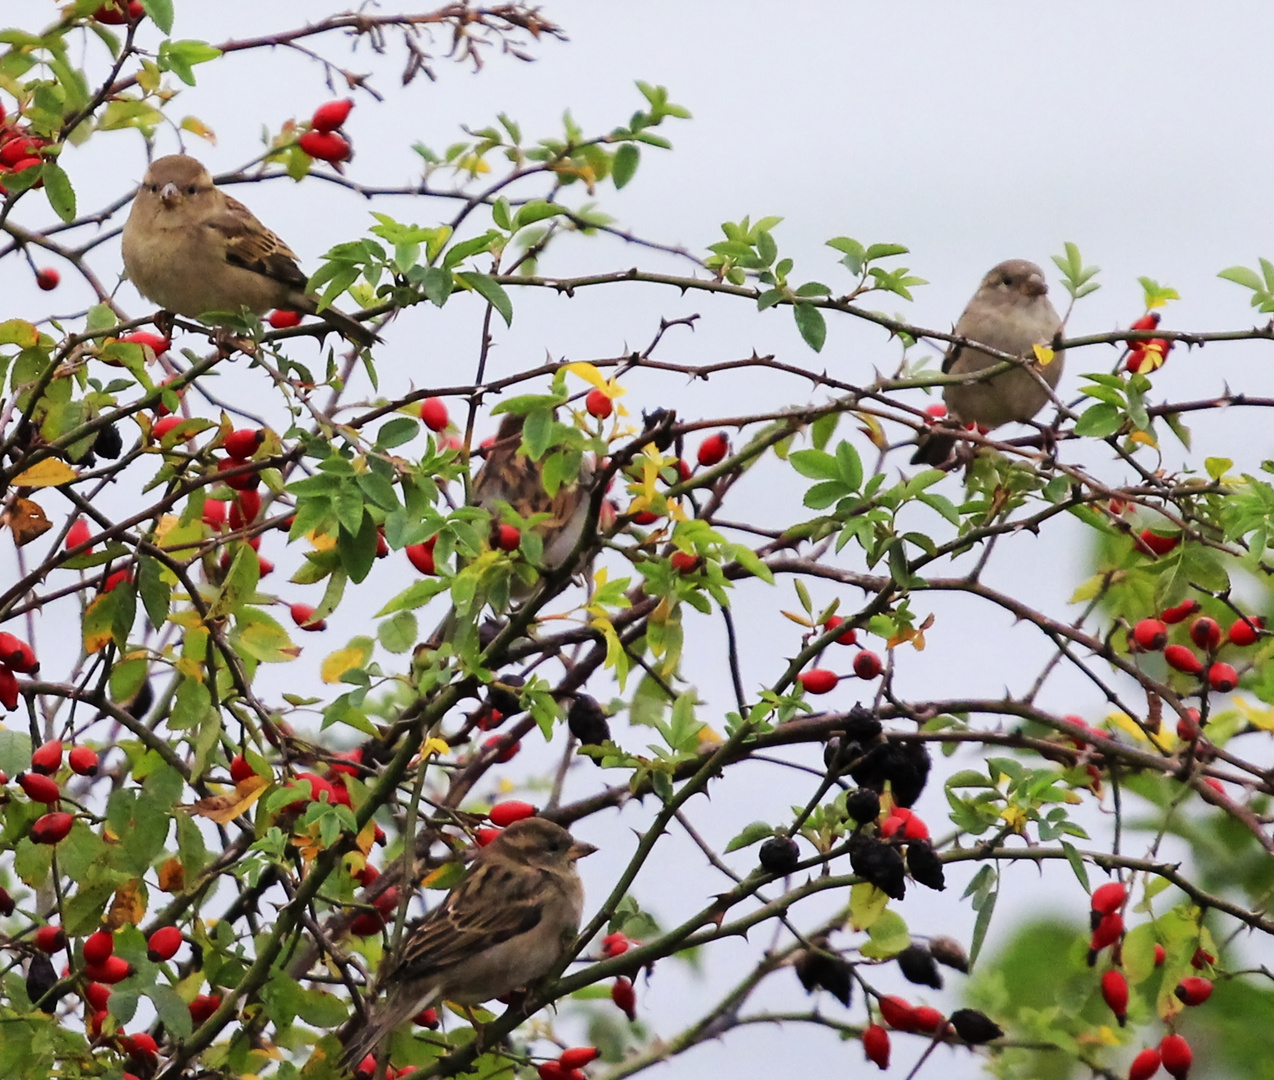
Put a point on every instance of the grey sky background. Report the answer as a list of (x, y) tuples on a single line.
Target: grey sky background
[(971, 133)]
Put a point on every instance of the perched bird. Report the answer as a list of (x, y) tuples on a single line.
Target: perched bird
[(191, 248), (502, 927), (1010, 313)]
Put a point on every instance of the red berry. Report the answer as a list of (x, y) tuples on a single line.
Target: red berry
[(506, 813), (713, 449), (83, 760), (240, 770), (303, 616), (1222, 678), (645, 517), (1160, 955), (8, 689), (243, 442), (1201, 959), (1157, 544), (50, 939), (1176, 1056), (52, 828), (78, 534), (1246, 631), (683, 562), (1144, 1065), (1181, 658), (915, 829), (1108, 931), (115, 580), (284, 320), (1109, 898), (876, 1045), (507, 537), (239, 481), (48, 279), (1147, 322), (623, 995), (17, 149), (421, 556), (1188, 727), (426, 1018), (1114, 990), (551, 1070), (818, 680), (366, 1067), (324, 145), (615, 944), (1194, 990), (482, 837), (117, 12), (331, 115), (163, 943), (244, 509), (867, 665), (367, 924), (1150, 635), (928, 1019), (433, 411), (17, 655), (99, 946), (898, 1013), (139, 1045), (578, 1056), (936, 411), (319, 787), (382, 545), (599, 404), (1179, 613), (507, 754), (387, 901), (891, 825), (97, 995), (156, 343), (1205, 633), (203, 1007), (39, 788), (847, 637), (6, 903)]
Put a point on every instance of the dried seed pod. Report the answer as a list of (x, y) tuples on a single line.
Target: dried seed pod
[(918, 966)]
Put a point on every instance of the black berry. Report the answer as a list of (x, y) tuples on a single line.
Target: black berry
[(975, 1027), (925, 866), (780, 854), (918, 966)]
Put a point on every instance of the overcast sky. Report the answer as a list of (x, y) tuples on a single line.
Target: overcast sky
[(969, 132)]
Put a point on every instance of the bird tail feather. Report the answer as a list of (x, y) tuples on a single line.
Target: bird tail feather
[(367, 1038)]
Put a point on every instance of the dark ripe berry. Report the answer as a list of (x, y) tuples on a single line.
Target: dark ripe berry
[(50, 939), (876, 1045), (950, 953), (974, 1027), (1205, 633), (1109, 898), (903, 765), (83, 760), (1222, 678), (1194, 990), (39, 788), (838, 753), (52, 828), (918, 966), (867, 665), (1145, 1064), (880, 864), (1246, 631), (713, 449), (163, 943), (846, 637), (818, 680), (599, 404), (7, 905), (109, 443), (925, 866), (1179, 613), (506, 813), (779, 855), (819, 971), (433, 411), (503, 695), (99, 946), (861, 725), (1114, 991), (331, 115), (140, 705), (1176, 1055), (1181, 658), (1150, 634), (862, 805), (587, 721), (41, 978), (623, 995), (47, 759)]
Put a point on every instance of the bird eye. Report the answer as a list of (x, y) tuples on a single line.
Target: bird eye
[(1006, 280), (190, 190)]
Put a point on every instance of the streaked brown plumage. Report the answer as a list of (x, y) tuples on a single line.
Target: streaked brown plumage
[(501, 928), (1010, 313), (193, 249)]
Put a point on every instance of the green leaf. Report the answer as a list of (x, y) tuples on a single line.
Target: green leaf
[(156, 593), (399, 632), (811, 324), (1100, 421), (624, 165), (1241, 275), (57, 187), (750, 835), (491, 291), (1077, 864), (396, 432), (161, 13), (816, 464), (889, 936)]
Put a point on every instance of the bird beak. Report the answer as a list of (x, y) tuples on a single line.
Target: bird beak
[(169, 194), (1035, 286), (578, 850)]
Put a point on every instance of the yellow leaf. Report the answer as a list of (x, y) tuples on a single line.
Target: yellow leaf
[(97, 624), (223, 809), (197, 127), (172, 876), (1043, 354), (1166, 738), (1143, 437), (1014, 817), (588, 373), (27, 521), (129, 906), (321, 541), (19, 332), (1259, 718), (341, 661), (435, 745), (866, 904), (47, 473), (800, 620)]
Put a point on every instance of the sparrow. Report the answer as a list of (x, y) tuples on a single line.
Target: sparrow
[(509, 920), (1011, 313), (192, 249)]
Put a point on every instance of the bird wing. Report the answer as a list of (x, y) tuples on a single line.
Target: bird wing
[(495, 902), (511, 477), (251, 245)]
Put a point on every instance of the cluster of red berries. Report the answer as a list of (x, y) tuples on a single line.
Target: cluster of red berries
[(366, 1068), (569, 1065), (1151, 635), (1147, 354), (16, 658), (867, 664), (119, 12), (40, 786), (19, 151), (324, 141)]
